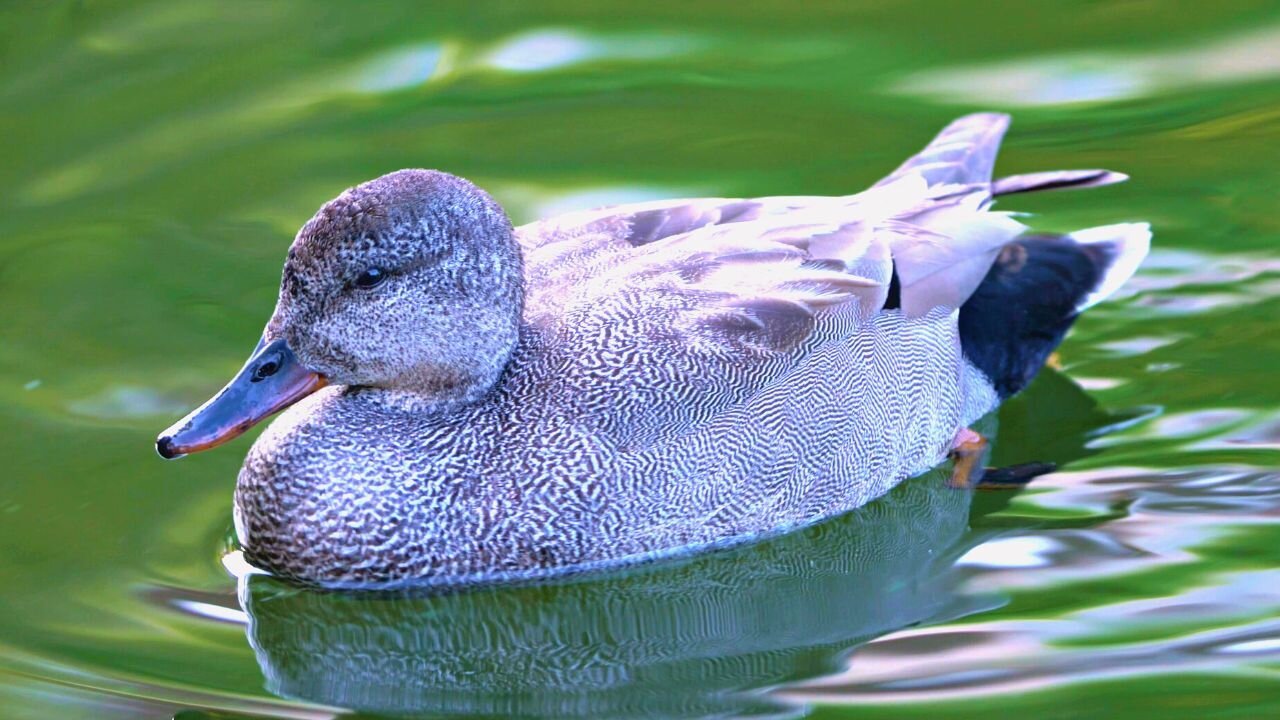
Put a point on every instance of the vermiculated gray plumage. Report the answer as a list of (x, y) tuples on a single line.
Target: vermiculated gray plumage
[(672, 375), (679, 639)]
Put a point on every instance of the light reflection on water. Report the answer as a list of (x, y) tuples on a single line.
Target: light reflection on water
[(1103, 76), (1228, 618)]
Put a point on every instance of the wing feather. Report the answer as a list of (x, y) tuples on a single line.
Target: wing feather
[(816, 252), (942, 253), (691, 306), (771, 267)]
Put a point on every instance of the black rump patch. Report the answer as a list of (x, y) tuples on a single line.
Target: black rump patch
[(1026, 304)]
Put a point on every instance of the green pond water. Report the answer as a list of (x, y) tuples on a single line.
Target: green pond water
[(158, 158)]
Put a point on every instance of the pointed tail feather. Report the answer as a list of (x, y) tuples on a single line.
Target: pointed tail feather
[(963, 153), (1055, 180)]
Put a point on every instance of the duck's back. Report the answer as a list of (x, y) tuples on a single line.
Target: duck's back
[(741, 366)]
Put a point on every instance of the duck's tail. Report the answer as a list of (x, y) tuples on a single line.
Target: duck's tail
[(1035, 290), (964, 153), (1038, 284), (1055, 180)]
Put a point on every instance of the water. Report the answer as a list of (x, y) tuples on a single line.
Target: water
[(159, 156)]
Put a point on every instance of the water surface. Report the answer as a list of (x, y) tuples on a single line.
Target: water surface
[(160, 155)]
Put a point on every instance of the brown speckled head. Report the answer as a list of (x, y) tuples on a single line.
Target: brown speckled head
[(410, 282)]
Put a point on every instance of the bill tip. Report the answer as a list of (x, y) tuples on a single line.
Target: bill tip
[(164, 446)]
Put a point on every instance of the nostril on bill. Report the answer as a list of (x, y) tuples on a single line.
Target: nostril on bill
[(265, 370)]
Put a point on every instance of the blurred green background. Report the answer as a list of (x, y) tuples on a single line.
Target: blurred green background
[(159, 156)]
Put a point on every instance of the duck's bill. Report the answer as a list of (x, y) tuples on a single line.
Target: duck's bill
[(271, 381)]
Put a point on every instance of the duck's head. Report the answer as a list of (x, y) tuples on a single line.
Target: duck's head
[(410, 282)]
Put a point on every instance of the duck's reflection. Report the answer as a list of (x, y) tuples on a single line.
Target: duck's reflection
[(676, 639)]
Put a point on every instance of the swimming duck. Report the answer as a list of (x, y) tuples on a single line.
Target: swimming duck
[(470, 402)]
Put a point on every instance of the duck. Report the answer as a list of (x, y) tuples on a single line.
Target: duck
[(466, 402)]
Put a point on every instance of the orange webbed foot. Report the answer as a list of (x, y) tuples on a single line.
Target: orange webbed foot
[(969, 453)]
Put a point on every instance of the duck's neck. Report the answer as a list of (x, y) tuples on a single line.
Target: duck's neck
[(440, 391)]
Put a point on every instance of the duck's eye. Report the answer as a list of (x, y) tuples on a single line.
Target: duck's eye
[(371, 277)]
